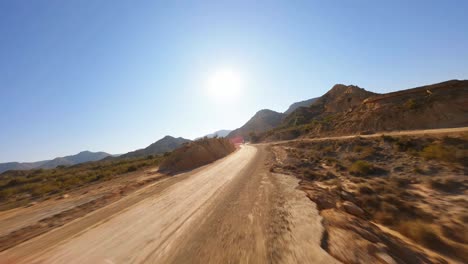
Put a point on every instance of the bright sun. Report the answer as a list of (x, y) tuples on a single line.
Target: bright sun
[(224, 85)]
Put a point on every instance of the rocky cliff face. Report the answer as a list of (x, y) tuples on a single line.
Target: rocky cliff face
[(350, 109)]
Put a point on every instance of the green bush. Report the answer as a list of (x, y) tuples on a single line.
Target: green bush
[(361, 167), (438, 152)]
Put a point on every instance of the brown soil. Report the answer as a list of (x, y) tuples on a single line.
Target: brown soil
[(414, 185)]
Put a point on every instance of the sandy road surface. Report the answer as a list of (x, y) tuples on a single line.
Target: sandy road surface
[(232, 211)]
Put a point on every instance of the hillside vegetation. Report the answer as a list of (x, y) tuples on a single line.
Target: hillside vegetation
[(27, 185), (197, 153)]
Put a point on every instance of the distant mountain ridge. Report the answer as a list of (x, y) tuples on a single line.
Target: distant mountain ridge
[(219, 133), (262, 121), (296, 105), (81, 157), (267, 119), (166, 144)]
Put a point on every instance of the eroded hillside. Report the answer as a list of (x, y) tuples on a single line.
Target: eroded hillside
[(353, 110)]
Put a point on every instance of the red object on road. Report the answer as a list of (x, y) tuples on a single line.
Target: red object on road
[(237, 140)]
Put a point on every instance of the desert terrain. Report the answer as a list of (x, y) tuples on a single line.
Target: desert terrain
[(352, 199)]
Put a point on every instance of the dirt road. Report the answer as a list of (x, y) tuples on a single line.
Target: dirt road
[(232, 211)]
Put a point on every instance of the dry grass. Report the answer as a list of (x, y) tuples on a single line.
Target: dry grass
[(28, 185), (361, 168)]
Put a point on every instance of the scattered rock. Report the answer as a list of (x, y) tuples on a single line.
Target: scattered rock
[(31, 204), (322, 201), (353, 209), (347, 196)]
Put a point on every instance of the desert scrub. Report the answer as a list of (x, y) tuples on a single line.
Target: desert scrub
[(439, 152), (427, 235), (386, 138), (406, 144), (31, 184), (446, 184), (418, 170), (361, 168), (420, 232), (364, 152)]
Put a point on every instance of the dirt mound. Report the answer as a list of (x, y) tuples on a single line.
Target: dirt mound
[(197, 153)]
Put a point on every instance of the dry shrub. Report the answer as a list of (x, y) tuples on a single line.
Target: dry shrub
[(439, 152), (401, 181), (365, 188), (196, 154), (456, 232), (427, 235), (386, 138), (420, 232), (361, 168), (387, 215), (364, 152), (314, 176), (446, 184)]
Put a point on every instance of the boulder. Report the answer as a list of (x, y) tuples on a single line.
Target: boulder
[(353, 209)]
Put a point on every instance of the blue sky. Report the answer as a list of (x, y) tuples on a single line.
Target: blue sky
[(118, 75)]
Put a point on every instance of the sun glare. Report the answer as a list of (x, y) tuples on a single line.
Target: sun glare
[(224, 85)]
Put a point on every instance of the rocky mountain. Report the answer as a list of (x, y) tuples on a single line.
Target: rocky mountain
[(167, 143), (219, 133), (262, 121), (339, 98), (266, 119), (296, 105), (19, 165), (81, 157), (350, 109)]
